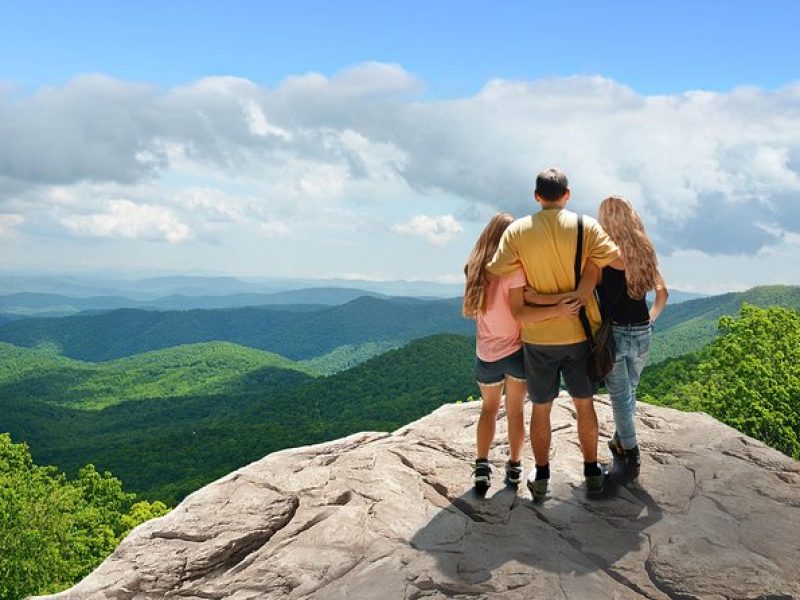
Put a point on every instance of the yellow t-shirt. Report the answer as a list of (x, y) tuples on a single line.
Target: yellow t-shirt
[(544, 244)]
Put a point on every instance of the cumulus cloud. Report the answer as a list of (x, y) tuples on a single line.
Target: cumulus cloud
[(127, 220), (91, 128), (216, 205), (437, 230), (705, 169)]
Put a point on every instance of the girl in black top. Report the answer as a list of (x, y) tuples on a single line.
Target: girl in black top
[(622, 295)]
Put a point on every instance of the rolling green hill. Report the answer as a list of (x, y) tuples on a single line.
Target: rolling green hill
[(690, 325), (295, 335), (189, 370), (164, 449), (348, 356)]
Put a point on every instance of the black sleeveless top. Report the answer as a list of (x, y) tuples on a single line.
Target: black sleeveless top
[(613, 292)]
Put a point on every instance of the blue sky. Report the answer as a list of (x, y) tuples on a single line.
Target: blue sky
[(374, 139), (454, 46)]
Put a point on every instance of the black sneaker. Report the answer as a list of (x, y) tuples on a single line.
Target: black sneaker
[(482, 476), (632, 463), (595, 484), (627, 463), (513, 472)]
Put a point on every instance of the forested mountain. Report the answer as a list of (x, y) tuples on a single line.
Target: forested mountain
[(39, 304), (749, 377), (678, 296), (309, 331), (220, 404), (291, 334), (149, 288), (31, 304), (690, 325), (347, 356), (169, 447), (190, 370), (165, 447), (36, 303)]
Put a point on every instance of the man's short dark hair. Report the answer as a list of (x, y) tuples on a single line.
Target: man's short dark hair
[(551, 184)]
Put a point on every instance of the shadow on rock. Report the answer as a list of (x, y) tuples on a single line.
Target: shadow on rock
[(506, 535)]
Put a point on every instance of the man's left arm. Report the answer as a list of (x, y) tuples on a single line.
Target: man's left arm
[(600, 248), (506, 259)]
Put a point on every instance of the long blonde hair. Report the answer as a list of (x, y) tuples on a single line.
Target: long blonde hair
[(481, 254), (625, 227)]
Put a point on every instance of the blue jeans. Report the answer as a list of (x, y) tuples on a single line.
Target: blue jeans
[(633, 349)]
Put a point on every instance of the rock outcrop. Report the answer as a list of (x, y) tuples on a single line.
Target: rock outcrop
[(391, 516)]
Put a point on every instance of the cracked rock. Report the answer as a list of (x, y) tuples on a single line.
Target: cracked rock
[(391, 516)]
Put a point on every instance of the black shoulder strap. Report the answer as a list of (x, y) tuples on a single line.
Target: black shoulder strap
[(579, 252), (587, 328)]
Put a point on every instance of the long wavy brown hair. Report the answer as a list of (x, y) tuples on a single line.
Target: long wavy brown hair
[(618, 217), (481, 254)]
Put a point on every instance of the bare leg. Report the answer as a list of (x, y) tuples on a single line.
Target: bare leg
[(540, 433), (515, 399), (491, 395), (587, 428)]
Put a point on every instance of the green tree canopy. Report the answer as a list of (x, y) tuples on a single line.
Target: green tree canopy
[(54, 531), (749, 378)]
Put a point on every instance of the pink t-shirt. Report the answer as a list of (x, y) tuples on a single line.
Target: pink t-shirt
[(498, 332)]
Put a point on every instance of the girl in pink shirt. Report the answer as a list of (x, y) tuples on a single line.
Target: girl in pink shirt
[(493, 301)]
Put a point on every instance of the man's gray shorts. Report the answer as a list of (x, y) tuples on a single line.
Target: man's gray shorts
[(544, 366)]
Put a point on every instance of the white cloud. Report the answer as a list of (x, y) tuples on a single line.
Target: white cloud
[(368, 80), (223, 156), (257, 121), (437, 230), (127, 220), (216, 205)]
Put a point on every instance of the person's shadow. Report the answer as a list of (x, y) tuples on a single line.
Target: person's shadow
[(476, 539)]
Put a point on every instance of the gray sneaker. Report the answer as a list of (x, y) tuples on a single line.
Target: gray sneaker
[(538, 488), (595, 484)]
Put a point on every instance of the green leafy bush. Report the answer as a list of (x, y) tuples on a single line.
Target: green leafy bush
[(54, 531), (749, 378)]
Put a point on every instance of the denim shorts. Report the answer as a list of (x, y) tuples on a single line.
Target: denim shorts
[(494, 373)]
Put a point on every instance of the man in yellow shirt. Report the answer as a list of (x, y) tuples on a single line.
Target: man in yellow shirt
[(544, 244)]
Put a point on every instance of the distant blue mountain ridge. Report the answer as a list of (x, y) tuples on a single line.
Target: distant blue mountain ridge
[(30, 304), (290, 333), (152, 288)]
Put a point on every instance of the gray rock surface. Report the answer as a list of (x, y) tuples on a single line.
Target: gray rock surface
[(391, 516)]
